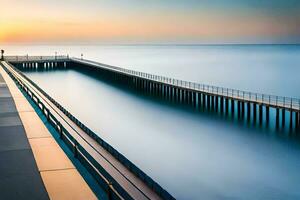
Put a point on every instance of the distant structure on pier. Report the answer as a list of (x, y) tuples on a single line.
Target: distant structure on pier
[(2, 53)]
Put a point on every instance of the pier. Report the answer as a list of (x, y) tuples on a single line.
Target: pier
[(119, 177), (249, 106)]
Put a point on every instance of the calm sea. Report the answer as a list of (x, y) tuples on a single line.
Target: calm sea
[(193, 155)]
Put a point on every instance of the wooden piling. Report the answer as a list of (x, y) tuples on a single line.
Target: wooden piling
[(277, 118), (204, 100), (217, 104), (260, 114), (199, 100), (243, 109), (291, 119), (248, 111), (226, 106), (222, 104), (283, 117), (297, 120), (213, 102), (232, 107), (208, 101), (239, 109), (254, 112), (194, 99)]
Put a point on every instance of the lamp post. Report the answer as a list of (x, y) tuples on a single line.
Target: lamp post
[(81, 56), (2, 52)]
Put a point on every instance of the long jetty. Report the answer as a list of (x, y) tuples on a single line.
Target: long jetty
[(251, 106)]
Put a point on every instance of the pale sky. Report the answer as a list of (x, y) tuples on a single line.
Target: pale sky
[(149, 21)]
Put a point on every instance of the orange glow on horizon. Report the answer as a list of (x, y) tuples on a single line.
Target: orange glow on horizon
[(59, 26)]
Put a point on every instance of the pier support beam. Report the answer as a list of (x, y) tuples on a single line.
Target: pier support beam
[(243, 109), (297, 120), (204, 101), (260, 114), (267, 115), (222, 105), (283, 117), (232, 107), (291, 120), (226, 106), (277, 118), (254, 113), (199, 100), (248, 111), (208, 102), (194, 99), (217, 104), (239, 109)]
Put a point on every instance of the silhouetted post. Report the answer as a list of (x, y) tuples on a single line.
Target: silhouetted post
[(2, 54)]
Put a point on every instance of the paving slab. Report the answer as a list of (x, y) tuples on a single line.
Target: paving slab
[(33, 125), (13, 138), (7, 105), (48, 155), (4, 91), (10, 119), (61, 184), (19, 177)]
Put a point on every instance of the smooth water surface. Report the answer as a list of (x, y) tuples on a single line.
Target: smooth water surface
[(193, 155)]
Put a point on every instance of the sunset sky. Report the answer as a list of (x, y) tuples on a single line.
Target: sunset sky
[(149, 21)]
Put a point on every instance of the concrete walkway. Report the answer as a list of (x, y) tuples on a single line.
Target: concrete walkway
[(19, 175), (32, 165)]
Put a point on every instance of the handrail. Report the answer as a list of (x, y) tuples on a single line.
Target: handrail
[(272, 100), (27, 58)]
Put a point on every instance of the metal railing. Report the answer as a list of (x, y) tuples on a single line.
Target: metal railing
[(271, 100), (27, 58)]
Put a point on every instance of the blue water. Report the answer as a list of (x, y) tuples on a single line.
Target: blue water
[(193, 155)]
